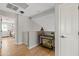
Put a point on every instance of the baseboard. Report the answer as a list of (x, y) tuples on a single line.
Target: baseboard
[(28, 47), (0, 46), (25, 43), (33, 46), (19, 43), (5, 36)]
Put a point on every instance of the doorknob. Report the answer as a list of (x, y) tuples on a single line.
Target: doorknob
[(78, 33), (63, 36)]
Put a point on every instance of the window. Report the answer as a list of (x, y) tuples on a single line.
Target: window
[(4, 27)]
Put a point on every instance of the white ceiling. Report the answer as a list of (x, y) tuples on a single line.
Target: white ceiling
[(36, 8), (32, 9)]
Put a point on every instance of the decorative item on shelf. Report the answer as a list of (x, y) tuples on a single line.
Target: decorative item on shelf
[(42, 31)]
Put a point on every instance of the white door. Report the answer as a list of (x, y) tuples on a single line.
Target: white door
[(0, 32), (68, 29)]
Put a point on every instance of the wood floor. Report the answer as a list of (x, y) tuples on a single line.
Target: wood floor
[(9, 48), (0, 52)]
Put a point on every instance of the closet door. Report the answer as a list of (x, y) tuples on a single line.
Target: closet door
[(68, 29)]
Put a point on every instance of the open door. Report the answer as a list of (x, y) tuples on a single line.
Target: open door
[(68, 29)]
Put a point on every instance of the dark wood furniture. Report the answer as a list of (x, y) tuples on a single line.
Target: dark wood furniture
[(47, 41)]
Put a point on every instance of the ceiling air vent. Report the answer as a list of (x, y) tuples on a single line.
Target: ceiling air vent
[(21, 5), (10, 6)]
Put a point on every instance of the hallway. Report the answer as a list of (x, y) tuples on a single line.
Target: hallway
[(9, 48)]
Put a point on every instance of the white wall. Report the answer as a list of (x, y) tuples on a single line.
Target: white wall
[(78, 29), (25, 29), (46, 20), (22, 29), (34, 26), (0, 44), (26, 23), (26, 38), (33, 39), (78, 19), (19, 29)]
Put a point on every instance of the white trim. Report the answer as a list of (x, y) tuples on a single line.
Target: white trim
[(0, 45), (33, 46), (25, 43), (19, 43)]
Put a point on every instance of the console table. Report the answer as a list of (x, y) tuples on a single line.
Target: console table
[(47, 41)]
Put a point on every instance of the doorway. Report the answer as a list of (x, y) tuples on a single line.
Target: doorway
[(7, 32)]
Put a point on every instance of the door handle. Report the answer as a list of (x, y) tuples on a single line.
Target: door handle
[(78, 33), (63, 36)]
